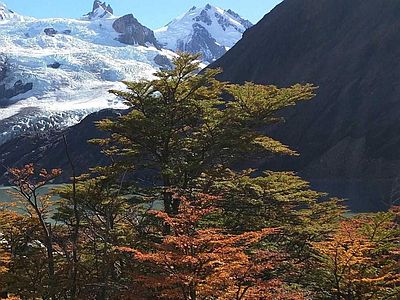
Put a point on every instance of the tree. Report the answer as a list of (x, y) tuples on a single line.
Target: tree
[(206, 263), (20, 238), (178, 216), (275, 199), (183, 129), (361, 259), (106, 221), (178, 124), (28, 182)]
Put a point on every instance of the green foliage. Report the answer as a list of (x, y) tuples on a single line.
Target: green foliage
[(274, 199), (105, 218), (180, 125)]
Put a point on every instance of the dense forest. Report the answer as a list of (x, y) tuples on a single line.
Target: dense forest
[(179, 212)]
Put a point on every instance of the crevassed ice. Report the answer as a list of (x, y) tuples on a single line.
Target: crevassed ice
[(91, 62)]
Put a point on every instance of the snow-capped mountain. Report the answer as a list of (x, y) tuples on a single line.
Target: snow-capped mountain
[(54, 72), (208, 30)]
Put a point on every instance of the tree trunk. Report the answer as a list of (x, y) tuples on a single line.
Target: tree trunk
[(167, 199), (76, 227), (193, 294), (50, 257)]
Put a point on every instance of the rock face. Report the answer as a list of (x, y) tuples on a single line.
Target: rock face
[(18, 88), (207, 30), (349, 135), (246, 23), (50, 31), (54, 65), (134, 33), (130, 30), (3, 68), (202, 42), (98, 4)]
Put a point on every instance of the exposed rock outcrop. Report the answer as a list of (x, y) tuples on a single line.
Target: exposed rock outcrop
[(246, 23), (3, 68), (7, 14), (6, 93), (18, 88), (54, 65), (163, 61), (98, 4), (52, 32), (202, 42), (134, 33)]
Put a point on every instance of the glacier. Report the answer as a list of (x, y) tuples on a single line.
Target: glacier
[(60, 70), (71, 70)]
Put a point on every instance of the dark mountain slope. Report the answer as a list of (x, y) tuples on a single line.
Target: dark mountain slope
[(349, 135), (47, 150)]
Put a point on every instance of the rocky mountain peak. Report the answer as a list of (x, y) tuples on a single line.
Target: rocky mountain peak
[(100, 10), (7, 14), (131, 31), (207, 30)]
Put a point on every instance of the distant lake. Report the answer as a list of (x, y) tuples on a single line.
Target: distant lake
[(4, 194), (6, 197)]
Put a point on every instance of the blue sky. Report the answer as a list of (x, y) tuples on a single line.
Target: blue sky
[(152, 13)]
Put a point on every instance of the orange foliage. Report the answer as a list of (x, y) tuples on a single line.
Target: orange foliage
[(7, 222), (4, 260), (194, 263), (28, 178), (362, 257)]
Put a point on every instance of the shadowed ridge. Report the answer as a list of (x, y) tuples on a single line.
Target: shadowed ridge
[(348, 136)]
